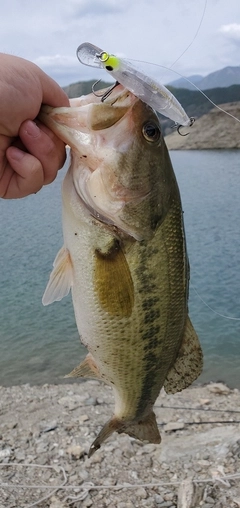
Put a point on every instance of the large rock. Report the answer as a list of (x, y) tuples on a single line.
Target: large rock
[(212, 131)]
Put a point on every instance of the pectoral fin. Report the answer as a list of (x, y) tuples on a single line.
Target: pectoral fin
[(113, 282), (188, 364), (61, 278), (87, 368)]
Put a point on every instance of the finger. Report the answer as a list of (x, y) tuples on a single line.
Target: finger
[(24, 174), (45, 146), (52, 93)]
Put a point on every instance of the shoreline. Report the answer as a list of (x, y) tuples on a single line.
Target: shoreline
[(54, 425)]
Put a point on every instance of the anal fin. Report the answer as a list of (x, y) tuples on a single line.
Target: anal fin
[(188, 364)]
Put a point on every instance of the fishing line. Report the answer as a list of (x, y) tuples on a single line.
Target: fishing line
[(184, 408), (221, 109), (184, 77), (231, 422), (215, 312), (192, 41), (86, 487), (209, 307), (195, 36), (206, 410)]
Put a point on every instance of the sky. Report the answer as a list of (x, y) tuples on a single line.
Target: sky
[(203, 36)]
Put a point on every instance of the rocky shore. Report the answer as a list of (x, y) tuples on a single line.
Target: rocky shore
[(215, 130), (46, 431)]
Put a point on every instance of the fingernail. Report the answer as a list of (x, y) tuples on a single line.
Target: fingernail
[(15, 153), (32, 129)]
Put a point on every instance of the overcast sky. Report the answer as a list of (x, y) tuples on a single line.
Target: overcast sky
[(48, 32)]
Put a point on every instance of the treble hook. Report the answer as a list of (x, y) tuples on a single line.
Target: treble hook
[(192, 120), (93, 88), (107, 93)]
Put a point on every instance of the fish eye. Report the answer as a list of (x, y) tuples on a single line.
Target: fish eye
[(151, 132)]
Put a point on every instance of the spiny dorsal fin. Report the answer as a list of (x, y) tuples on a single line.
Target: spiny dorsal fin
[(61, 278), (113, 282), (188, 364), (87, 368)]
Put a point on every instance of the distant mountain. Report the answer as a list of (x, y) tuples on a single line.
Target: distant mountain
[(218, 79), (182, 83)]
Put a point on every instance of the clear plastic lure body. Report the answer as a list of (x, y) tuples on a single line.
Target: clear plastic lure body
[(149, 91)]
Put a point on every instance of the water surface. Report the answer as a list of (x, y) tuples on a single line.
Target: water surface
[(40, 344)]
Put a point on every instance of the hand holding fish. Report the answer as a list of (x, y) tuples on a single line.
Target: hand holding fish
[(30, 153)]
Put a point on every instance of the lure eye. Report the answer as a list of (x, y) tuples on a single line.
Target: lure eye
[(151, 132)]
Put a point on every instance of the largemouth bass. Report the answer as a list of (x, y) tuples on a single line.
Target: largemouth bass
[(124, 257)]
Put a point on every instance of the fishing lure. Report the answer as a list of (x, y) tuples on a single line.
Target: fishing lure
[(149, 91)]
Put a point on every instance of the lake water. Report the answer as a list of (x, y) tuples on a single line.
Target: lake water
[(40, 344)]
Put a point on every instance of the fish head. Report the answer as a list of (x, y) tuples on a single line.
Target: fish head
[(120, 166)]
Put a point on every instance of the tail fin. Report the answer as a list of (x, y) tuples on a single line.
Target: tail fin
[(144, 430)]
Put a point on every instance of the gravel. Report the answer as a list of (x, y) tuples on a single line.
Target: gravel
[(46, 432)]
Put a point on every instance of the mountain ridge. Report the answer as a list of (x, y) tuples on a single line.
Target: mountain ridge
[(221, 78)]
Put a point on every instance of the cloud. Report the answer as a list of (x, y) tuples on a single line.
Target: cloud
[(98, 7), (49, 32), (66, 69), (49, 61), (232, 30)]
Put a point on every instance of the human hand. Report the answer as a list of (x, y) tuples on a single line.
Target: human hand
[(30, 154)]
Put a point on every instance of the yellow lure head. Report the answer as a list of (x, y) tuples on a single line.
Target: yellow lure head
[(110, 62)]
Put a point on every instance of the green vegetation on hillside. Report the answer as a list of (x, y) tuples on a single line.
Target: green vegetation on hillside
[(197, 105)]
